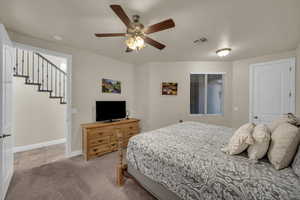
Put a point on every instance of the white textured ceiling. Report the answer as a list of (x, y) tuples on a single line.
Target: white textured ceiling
[(251, 28)]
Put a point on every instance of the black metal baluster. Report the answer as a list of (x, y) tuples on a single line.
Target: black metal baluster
[(43, 75), (47, 77), (32, 67), (51, 78), (23, 62), (59, 84), (55, 82), (17, 62), (64, 90), (38, 70), (28, 66)]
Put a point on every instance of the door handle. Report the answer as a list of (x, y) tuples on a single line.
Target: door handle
[(5, 135), (255, 117)]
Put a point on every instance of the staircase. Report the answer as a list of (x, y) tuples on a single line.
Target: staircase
[(38, 70)]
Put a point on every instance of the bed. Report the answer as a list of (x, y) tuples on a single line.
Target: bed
[(184, 161)]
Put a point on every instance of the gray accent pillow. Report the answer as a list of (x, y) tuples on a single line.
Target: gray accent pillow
[(286, 118), (284, 143), (296, 163)]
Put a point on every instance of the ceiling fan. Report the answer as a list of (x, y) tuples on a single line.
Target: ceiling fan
[(136, 33)]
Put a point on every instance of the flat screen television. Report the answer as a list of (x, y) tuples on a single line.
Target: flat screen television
[(110, 110)]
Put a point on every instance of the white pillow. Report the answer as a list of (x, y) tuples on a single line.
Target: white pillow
[(240, 140), (262, 136), (284, 143), (286, 118)]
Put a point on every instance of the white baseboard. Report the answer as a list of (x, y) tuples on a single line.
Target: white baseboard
[(39, 145), (75, 153)]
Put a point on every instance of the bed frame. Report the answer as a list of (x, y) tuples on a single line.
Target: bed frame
[(126, 171)]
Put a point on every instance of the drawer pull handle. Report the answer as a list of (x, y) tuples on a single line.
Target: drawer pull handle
[(95, 150), (100, 140), (131, 127)]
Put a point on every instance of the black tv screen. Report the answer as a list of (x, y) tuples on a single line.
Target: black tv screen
[(110, 110)]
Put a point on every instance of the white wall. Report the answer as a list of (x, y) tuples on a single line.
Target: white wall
[(240, 85), (157, 111), (36, 117), (88, 68), (58, 61)]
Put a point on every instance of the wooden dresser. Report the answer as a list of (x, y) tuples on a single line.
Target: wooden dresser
[(100, 138)]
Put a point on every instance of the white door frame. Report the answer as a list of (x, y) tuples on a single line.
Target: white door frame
[(292, 60), (68, 128), (5, 176)]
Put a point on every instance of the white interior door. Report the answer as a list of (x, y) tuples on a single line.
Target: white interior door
[(6, 139), (272, 90)]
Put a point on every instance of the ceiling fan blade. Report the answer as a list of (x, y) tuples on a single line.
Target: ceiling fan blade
[(128, 50), (154, 43), (169, 23), (109, 34), (121, 14)]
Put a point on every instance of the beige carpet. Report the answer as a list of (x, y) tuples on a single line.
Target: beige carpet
[(74, 179), (38, 157)]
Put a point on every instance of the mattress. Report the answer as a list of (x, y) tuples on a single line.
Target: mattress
[(186, 159), (156, 189)]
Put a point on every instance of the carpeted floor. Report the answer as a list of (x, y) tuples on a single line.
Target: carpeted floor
[(74, 179), (38, 157)]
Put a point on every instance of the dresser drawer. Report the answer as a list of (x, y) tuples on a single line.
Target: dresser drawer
[(97, 154), (133, 127), (100, 149), (127, 134), (99, 132), (98, 141)]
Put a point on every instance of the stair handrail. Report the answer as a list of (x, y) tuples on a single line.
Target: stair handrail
[(62, 71)]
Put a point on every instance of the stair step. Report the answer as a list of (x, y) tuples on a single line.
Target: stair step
[(55, 97), (22, 76), (28, 83), (45, 90)]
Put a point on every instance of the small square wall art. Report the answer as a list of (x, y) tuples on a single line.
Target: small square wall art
[(111, 86), (169, 88)]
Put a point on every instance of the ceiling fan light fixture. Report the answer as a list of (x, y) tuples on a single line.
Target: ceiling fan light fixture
[(135, 42), (223, 52), (136, 34)]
